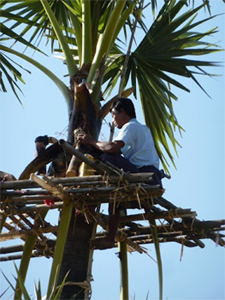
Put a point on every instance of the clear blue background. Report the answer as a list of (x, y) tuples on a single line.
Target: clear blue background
[(197, 183)]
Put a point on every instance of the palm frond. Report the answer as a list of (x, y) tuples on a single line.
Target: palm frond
[(51, 75), (10, 74), (33, 12), (9, 68), (165, 54)]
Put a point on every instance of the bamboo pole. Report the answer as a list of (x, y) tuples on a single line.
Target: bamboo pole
[(3, 218), (32, 209), (88, 180), (22, 234), (10, 249), (24, 263), (13, 257), (26, 256), (124, 289), (22, 184), (80, 155)]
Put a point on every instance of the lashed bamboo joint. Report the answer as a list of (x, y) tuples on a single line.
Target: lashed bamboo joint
[(22, 202)]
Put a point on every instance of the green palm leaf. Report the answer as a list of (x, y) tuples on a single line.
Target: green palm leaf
[(52, 76), (165, 51), (10, 73)]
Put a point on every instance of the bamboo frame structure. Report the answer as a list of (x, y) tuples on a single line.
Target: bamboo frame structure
[(22, 202), (21, 207)]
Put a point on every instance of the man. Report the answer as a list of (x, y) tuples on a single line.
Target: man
[(133, 150)]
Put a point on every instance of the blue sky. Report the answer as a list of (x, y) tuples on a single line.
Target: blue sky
[(197, 183)]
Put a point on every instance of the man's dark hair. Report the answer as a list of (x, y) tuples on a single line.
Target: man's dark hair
[(125, 104)]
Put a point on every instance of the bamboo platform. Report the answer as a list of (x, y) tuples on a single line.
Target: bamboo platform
[(23, 203)]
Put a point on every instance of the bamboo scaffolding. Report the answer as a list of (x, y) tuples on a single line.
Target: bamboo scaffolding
[(22, 201), (43, 245), (205, 230), (136, 238), (142, 240), (95, 195)]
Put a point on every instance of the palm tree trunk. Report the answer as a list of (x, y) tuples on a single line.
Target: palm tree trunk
[(77, 248), (76, 255)]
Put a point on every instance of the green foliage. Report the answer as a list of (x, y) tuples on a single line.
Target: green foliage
[(24, 294), (10, 70), (9, 67)]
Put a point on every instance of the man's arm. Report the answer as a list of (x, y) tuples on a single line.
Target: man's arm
[(110, 147)]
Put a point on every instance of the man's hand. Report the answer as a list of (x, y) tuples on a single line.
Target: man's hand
[(86, 139), (110, 147)]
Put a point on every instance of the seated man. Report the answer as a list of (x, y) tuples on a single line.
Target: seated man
[(136, 145)]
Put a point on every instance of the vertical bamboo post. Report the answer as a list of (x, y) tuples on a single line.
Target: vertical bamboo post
[(124, 289)]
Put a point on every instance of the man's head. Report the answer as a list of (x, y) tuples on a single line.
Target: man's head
[(122, 110)]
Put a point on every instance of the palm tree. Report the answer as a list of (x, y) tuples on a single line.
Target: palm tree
[(87, 35)]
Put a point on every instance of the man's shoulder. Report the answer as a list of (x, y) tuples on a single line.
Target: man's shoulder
[(134, 125), (133, 122)]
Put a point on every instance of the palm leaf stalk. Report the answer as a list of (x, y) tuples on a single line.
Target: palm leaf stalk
[(76, 25), (2, 221), (86, 32), (124, 289), (154, 232), (60, 244), (72, 68), (106, 39), (24, 264)]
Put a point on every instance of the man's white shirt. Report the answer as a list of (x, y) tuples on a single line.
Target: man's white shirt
[(139, 145)]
